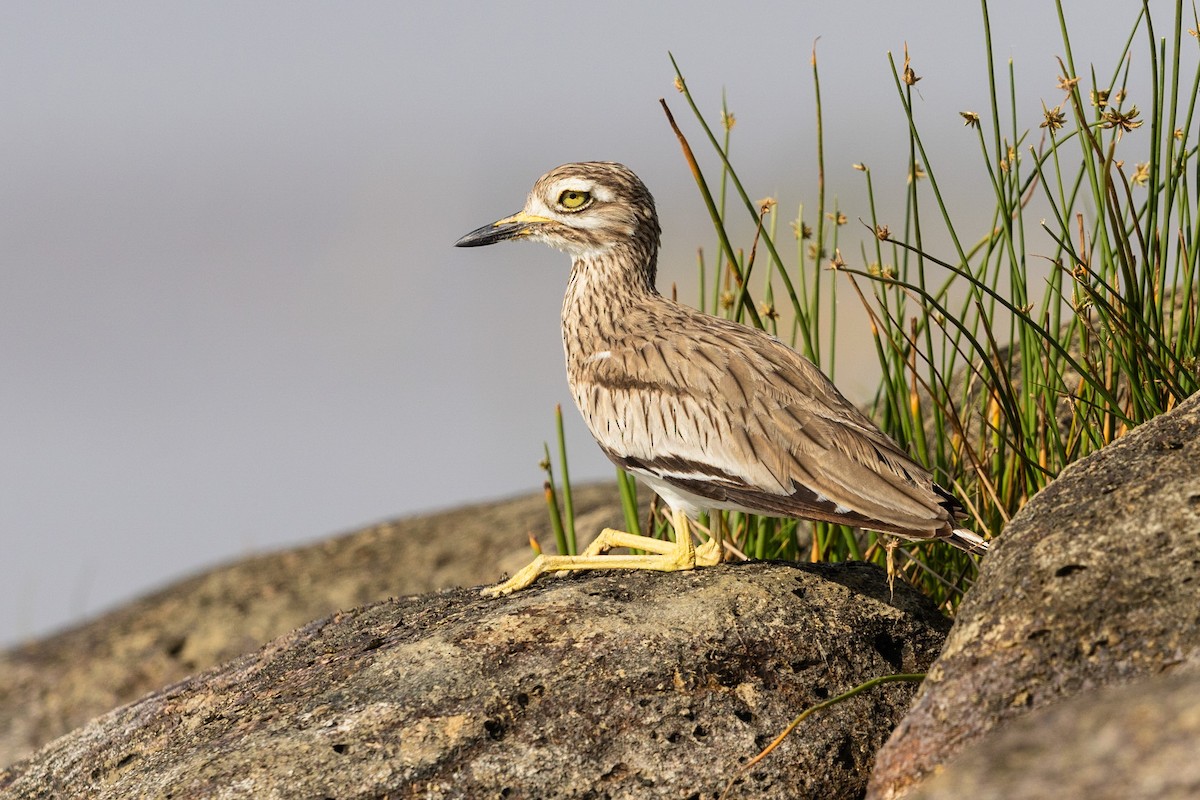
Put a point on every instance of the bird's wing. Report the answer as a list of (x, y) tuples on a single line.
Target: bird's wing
[(732, 414)]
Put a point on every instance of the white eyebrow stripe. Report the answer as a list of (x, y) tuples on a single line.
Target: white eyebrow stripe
[(603, 193)]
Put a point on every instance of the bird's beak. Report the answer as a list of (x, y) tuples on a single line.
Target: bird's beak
[(508, 228)]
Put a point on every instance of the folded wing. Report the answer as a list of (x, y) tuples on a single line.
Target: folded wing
[(732, 415)]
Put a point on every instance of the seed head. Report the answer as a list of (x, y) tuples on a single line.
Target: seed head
[(1054, 118), (1141, 174), (1122, 121), (910, 78)]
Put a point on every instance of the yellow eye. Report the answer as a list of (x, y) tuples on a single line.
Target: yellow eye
[(573, 200)]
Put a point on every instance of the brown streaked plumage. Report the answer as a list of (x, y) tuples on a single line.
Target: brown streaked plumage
[(711, 414)]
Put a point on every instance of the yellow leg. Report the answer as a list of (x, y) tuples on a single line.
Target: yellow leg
[(663, 556)]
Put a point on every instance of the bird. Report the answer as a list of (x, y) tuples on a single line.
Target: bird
[(709, 413)]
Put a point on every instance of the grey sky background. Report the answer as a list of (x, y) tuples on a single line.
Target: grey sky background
[(231, 318)]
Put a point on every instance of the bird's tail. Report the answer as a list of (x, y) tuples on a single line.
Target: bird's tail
[(961, 538), (968, 540)]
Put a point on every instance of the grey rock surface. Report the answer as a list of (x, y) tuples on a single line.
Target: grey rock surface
[(1095, 582), (1133, 742), (602, 685), (54, 685)]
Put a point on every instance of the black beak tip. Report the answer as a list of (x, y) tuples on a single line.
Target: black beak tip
[(475, 238), (490, 234)]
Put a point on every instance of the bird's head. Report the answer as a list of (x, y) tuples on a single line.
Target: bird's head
[(582, 209)]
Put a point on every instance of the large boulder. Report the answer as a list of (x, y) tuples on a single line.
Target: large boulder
[(1136, 740), (605, 685), (54, 685), (1095, 582)]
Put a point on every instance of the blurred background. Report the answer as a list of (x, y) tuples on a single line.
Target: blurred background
[(231, 318)]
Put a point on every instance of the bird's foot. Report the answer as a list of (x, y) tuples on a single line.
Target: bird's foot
[(662, 556), (710, 553)]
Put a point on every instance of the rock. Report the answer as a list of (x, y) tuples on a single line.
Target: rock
[(1095, 582), (601, 685), (54, 685), (1121, 742)]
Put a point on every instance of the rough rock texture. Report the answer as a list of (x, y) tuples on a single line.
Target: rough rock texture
[(1121, 742), (54, 685), (613, 685), (1096, 581)]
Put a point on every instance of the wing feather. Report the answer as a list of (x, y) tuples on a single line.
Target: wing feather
[(731, 414)]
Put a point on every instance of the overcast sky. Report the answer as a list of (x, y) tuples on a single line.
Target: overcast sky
[(231, 318)]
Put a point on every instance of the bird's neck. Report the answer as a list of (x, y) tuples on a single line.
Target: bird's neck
[(603, 290)]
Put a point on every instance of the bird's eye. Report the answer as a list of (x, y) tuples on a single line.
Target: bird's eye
[(573, 200)]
